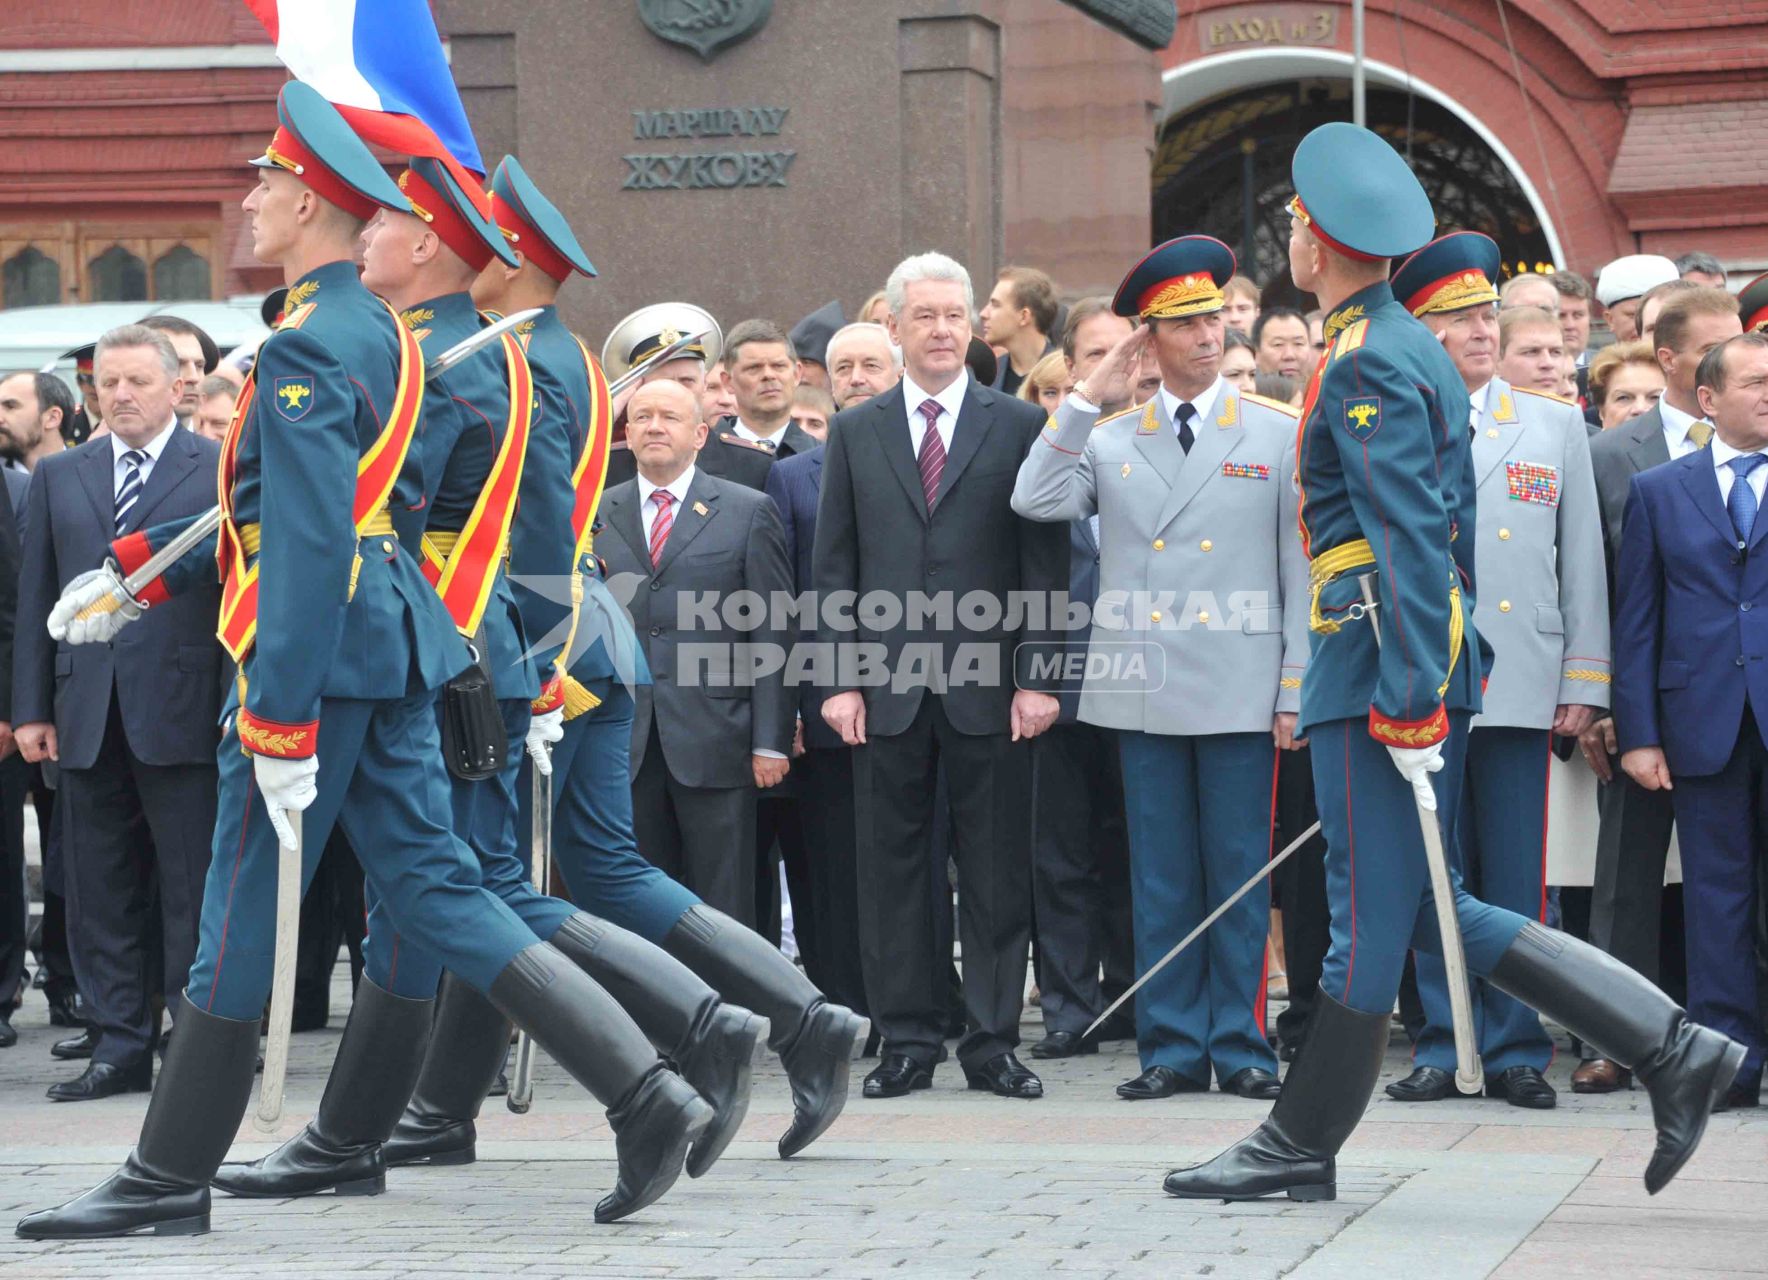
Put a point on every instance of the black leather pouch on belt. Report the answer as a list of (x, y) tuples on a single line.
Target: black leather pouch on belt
[(474, 742)]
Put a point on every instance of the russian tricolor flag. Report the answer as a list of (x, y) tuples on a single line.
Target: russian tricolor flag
[(380, 63)]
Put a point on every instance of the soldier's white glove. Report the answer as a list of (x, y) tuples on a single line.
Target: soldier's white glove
[(289, 786), (1416, 764), (93, 608), (544, 730)]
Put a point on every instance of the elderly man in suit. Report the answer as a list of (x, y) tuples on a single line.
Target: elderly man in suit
[(1691, 698), (132, 724), (1539, 540), (1202, 578), (916, 522), (1633, 838), (715, 727)]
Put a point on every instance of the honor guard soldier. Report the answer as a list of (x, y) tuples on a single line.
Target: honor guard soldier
[(474, 449), (1539, 546), (1387, 507), (340, 640), (1201, 564), (587, 653)]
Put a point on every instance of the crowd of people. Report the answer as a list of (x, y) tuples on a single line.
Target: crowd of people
[(1059, 821)]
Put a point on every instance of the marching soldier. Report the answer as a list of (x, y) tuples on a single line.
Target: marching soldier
[(588, 654), (1539, 543), (334, 625), (1200, 560), (1387, 491), (476, 453)]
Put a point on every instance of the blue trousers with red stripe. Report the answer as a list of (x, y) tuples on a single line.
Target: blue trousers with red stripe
[(485, 816), (593, 845), (381, 775), (1377, 880), (1500, 850), (1199, 811)]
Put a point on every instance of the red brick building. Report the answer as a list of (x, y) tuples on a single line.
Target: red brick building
[(1571, 130)]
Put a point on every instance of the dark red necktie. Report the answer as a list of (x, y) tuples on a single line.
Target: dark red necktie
[(661, 523), (932, 459)]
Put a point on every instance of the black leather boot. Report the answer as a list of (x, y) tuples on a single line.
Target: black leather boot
[(1294, 1151), (1685, 1067), (816, 1040), (196, 1107), (372, 1076), (712, 1044), (468, 1044), (655, 1114)]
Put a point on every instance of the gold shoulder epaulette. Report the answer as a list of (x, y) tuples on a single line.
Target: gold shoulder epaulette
[(731, 437), (1352, 338), (1113, 417), (1279, 405), (1545, 395)]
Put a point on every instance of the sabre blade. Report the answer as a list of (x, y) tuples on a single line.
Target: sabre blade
[(1198, 932), (654, 361), (475, 342)]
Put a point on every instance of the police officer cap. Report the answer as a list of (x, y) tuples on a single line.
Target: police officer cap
[(462, 219), (314, 143), (536, 227), (1451, 273), (810, 336), (1356, 193), (1633, 276), (1182, 277)]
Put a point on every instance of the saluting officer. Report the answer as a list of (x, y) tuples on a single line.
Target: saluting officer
[(1539, 547), (1387, 493), (1202, 573), (333, 624), (588, 659)]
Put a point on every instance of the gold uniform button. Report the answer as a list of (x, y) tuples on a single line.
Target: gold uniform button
[(1155, 616), (1492, 434), (1503, 535), (1160, 544), (1207, 545), (1203, 616), (1503, 606)]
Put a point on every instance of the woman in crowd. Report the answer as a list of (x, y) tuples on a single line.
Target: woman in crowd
[(1239, 361), (1048, 383), (1625, 381)]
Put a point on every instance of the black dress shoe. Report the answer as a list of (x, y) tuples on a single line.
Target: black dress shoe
[(1158, 1082), (66, 1010), (1425, 1084), (896, 1076), (1253, 1082), (1006, 1077), (102, 1080), (1063, 1044), (1522, 1087), (8, 1037), (80, 1046)]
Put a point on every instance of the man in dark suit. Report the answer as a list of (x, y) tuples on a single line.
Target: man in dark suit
[(14, 908), (1691, 700), (916, 519), (1633, 835), (762, 366), (132, 724), (716, 725)]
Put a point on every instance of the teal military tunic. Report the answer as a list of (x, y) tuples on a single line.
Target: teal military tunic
[(347, 662)]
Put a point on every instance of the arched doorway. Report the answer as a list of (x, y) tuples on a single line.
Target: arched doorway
[(1222, 169)]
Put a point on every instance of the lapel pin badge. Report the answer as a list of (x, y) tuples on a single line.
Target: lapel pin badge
[(1126, 471), (700, 509)]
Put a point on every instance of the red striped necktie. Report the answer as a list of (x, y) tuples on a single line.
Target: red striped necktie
[(661, 523), (932, 459)]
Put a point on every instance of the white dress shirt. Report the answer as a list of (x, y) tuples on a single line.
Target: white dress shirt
[(951, 400), (1479, 399), (1676, 424), (678, 489), (1722, 456), (153, 449), (1204, 404), (745, 432)]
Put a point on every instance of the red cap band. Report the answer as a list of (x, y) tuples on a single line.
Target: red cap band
[(287, 152), (529, 242), (452, 229), (1300, 210)]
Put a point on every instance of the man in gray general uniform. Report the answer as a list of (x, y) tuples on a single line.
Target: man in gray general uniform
[(1203, 582), (1544, 610)]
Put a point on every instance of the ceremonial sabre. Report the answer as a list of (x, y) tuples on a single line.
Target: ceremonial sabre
[(1469, 1075), (652, 361), (1208, 920), (521, 1093), (282, 981), (210, 520)]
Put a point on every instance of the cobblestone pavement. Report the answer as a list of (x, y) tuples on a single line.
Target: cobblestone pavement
[(944, 1184)]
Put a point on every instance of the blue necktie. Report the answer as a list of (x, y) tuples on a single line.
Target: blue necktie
[(1185, 413), (132, 485), (1742, 503)]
